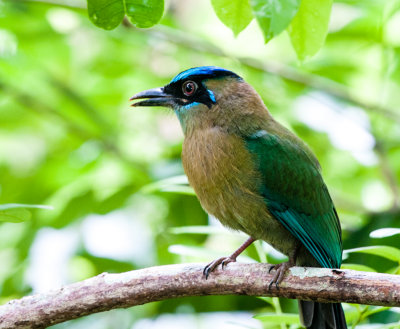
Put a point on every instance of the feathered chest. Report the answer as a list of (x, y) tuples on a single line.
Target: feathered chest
[(221, 170), (213, 159)]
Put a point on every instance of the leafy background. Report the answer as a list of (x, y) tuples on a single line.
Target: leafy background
[(89, 185)]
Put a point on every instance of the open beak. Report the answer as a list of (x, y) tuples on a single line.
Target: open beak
[(153, 97)]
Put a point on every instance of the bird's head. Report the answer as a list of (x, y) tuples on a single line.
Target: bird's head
[(206, 96)]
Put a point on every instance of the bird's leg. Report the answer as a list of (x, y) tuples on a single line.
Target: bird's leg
[(282, 268), (226, 260)]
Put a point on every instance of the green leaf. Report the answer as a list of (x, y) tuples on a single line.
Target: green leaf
[(260, 251), (182, 250), (273, 16), (267, 300), (286, 318), (22, 205), (393, 270), (202, 229), (235, 14), (17, 213), (383, 251), (384, 232), (357, 267), (144, 13), (176, 184), (180, 189), (109, 14), (106, 14), (309, 27), (202, 252), (375, 310)]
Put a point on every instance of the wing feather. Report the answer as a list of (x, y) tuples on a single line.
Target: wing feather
[(296, 194)]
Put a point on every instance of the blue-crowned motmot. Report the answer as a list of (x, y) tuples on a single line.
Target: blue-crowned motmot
[(254, 175)]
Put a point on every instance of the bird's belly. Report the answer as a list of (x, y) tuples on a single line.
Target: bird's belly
[(223, 175)]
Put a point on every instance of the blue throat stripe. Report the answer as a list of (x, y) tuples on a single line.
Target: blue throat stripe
[(212, 97), (188, 106)]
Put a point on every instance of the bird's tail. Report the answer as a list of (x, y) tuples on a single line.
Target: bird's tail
[(321, 316)]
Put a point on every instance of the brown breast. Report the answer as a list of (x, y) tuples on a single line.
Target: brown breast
[(221, 171)]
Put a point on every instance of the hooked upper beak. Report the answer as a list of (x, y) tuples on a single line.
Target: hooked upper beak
[(153, 97)]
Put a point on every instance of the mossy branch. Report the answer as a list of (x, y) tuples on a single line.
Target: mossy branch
[(108, 291)]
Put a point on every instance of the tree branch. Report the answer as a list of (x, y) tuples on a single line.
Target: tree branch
[(108, 291)]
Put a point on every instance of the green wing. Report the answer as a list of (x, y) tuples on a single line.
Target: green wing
[(296, 194)]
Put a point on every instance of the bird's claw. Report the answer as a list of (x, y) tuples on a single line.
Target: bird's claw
[(224, 261), (279, 274)]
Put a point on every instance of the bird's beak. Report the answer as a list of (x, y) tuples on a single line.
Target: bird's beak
[(153, 97)]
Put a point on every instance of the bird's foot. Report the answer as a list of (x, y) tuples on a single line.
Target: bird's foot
[(226, 260), (280, 270), (213, 265)]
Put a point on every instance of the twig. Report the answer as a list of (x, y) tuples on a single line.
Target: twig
[(109, 291)]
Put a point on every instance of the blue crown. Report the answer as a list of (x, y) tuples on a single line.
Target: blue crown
[(204, 72)]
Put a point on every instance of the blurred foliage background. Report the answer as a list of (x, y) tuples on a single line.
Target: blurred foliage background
[(112, 175)]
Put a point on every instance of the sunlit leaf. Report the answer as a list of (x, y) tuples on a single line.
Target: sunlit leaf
[(376, 309), (388, 252), (262, 255), (267, 300), (352, 312), (357, 267), (384, 232), (181, 189), (182, 250), (309, 27), (16, 215), (17, 212), (393, 270), (286, 318), (109, 14), (176, 184), (106, 14), (201, 252), (22, 205), (235, 14), (274, 16), (144, 13), (202, 229), (81, 268)]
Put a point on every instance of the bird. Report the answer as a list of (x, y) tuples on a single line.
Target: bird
[(254, 175)]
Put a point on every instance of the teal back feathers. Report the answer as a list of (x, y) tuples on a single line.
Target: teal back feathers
[(297, 196)]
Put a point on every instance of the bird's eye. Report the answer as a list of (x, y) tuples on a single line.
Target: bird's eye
[(189, 88)]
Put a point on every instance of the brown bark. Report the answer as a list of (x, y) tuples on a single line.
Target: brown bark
[(107, 291)]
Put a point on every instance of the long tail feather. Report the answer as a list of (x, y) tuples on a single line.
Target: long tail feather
[(322, 316)]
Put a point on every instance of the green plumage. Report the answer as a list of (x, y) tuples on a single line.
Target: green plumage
[(297, 196)]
